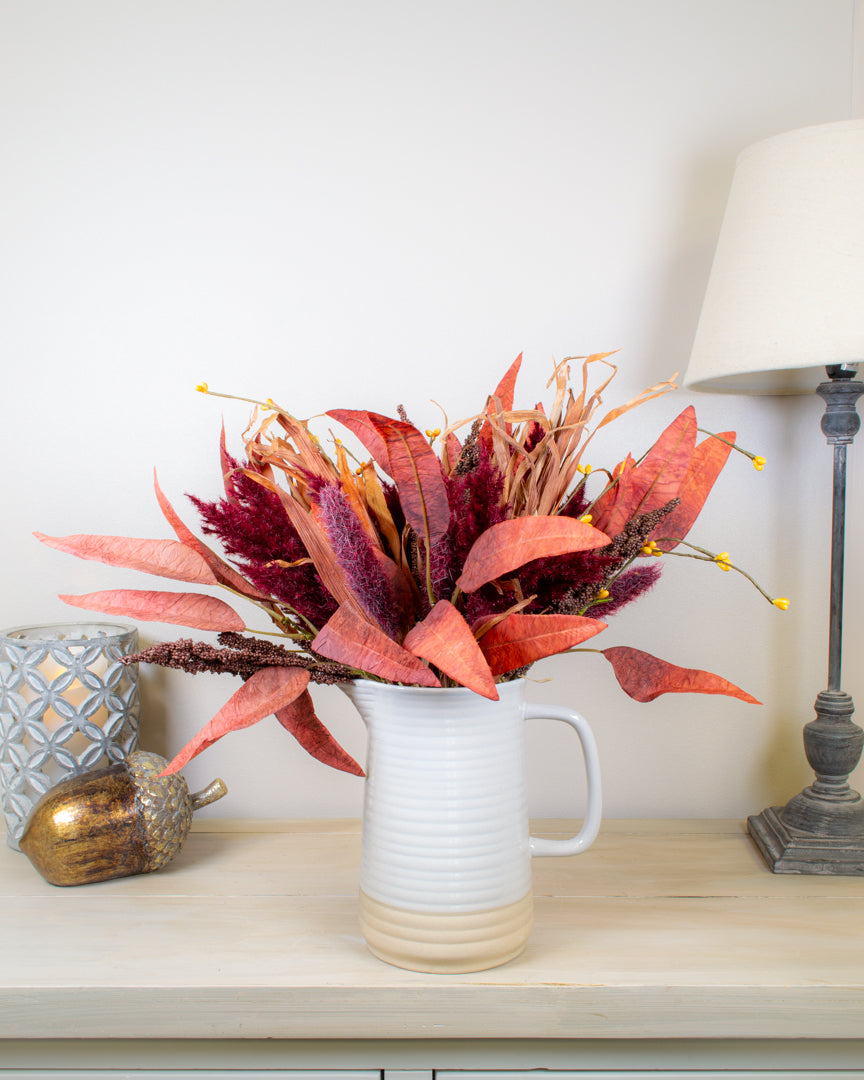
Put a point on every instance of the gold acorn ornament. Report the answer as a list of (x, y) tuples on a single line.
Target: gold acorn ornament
[(113, 822)]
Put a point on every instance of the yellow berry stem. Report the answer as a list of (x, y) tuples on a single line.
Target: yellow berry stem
[(712, 556), (758, 461)]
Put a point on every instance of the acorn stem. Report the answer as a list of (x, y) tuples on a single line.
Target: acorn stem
[(212, 793)]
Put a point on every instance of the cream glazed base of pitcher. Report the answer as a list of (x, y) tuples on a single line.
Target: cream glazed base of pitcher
[(446, 943)]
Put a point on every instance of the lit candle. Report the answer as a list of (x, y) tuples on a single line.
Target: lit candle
[(65, 706)]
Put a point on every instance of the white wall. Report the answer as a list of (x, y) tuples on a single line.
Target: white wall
[(342, 204)]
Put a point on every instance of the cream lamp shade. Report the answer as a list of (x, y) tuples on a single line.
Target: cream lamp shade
[(786, 292)]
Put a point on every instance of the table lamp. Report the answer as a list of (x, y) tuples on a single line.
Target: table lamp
[(785, 299)]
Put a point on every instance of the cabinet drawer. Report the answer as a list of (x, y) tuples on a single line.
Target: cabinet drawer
[(652, 1074), (190, 1074)]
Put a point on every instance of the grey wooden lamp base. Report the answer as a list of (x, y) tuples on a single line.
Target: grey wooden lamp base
[(793, 851), (821, 830)]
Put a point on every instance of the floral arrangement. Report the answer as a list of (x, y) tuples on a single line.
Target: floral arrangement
[(451, 558)]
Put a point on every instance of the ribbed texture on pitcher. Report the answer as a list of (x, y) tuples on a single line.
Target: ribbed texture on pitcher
[(445, 826)]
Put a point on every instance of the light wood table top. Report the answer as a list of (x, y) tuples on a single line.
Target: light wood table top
[(664, 929)]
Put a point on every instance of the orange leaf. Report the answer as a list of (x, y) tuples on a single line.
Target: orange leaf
[(348, 638), (299, 718), (360, 423), (416, 471), (707, 462), (377, 503), (267, 690), (645, 677), (651, 392), (224, 573), (314, 539), (512, 543), (185, 609), (167, 558), (521, 639), (445, 640)]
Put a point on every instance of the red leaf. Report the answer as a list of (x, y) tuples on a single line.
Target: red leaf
[(225, 574), (299, 718), (348, 638), (185, 609), (360, 423), (267, 690), (645, 677), (416, 471), (612, 509), (707, 462), (506, 389), (225, 462), (445, 640), (658, 477), (167, 558), (654, 481), (510, 544), (504, 392), (522, 639), (454, 449)]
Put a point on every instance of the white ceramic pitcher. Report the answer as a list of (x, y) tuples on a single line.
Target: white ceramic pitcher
[(445, 882)]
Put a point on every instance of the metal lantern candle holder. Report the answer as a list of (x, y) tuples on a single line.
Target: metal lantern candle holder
[(67, 705)]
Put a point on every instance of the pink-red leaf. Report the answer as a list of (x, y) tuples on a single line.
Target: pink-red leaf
[(707, 462), (268, 690), (225, 574), (521, 639), (166, 558), (360, 423), (300, 720), (645, 677), (510, 544), (185, 609), (348, 638), (416, 471), (445, 640), (659, 476)]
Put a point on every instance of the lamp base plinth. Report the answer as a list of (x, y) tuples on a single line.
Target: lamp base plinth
[(788, 850)]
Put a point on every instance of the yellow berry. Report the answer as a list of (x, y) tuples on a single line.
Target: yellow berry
[(759, 463), (586, 469), (586, 519), (202, 388), (603, 594), (781, 602)]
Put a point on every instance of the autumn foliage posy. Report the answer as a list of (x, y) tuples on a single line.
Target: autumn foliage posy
[(455, 566)]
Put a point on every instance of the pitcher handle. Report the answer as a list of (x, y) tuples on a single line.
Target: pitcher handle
[(591, 823)]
